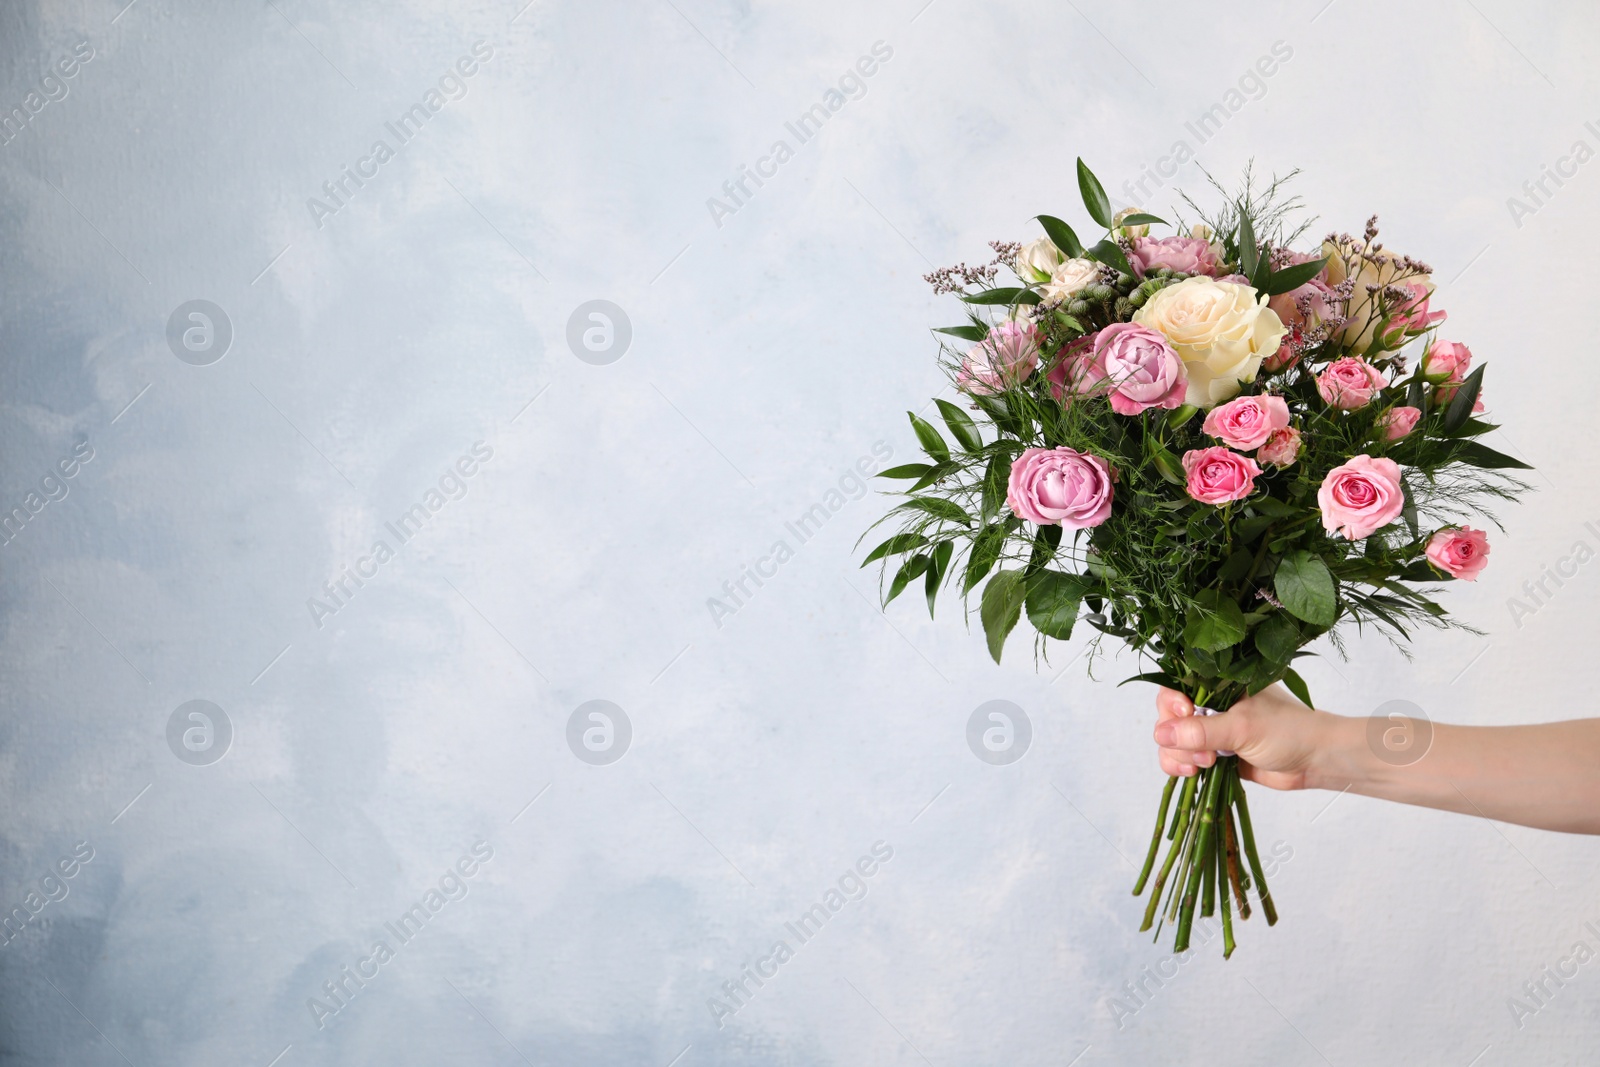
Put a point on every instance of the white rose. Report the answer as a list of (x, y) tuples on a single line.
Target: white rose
[(1069, 277), (1221, 331), (1037, 261), (1363, 313)]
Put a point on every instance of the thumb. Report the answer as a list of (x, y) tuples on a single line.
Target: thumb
[(1201, 733)]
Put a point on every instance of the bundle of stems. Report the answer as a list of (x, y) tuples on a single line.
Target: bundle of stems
[(1203, 870)]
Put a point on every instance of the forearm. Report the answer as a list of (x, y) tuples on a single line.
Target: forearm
[(1545, 776)]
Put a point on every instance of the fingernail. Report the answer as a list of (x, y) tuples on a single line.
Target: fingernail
[(1166, 733)]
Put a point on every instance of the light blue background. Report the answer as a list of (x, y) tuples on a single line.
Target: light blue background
[(768, 356)]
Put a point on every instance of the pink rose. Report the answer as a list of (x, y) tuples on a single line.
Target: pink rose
[(1281, 449), (1308, 304), (1413, 316), (1460, 553), (1350, 383), (1074, 373), (1138, 368), (1007, 357), (1360, 496), (1281, 360), (1247, 421), (1059, 485), (1398, 421), (1217, 475), (1188, 255), (1446, 361)]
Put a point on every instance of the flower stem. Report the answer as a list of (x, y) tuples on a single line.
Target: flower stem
[(1202, 853), (1227, 912), (1231, 837), (1249, 836), (1179, 827), (1155, 838)]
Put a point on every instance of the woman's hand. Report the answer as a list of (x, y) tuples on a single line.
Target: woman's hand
[(1274, 734)]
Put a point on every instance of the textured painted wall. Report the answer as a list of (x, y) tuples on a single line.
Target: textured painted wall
[(396, 508)]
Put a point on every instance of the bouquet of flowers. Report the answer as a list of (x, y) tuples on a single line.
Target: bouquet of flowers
[(1214, 447)]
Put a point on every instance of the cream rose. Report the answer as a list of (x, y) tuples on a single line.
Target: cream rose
[(1221, 331), (1069, 277), (1362, 315), (1037, 261)]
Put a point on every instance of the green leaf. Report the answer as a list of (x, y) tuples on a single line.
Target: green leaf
[(1461, 404), (1408, 507), (1235, 567), (1297, 686), (1306, 588), (1094, 195), (1000, 609), (906, 470), (911, 568), (1278, 509), (1414, 397), (995, 478), (938, 507), (1180, 415), (1214, 622), (1110, 253), (966, 333), (1167, 464), (936, 572), (1278, 638), (1158, 677), (1281, 281), (1481, 455), (1139, 218), (984, 555), (1247, 244), (900, 542), (961, 426), (1061, 235), (1247, 530), (1053, 599), (932, 443), (1045, 543), (935, 472), (1011, 295), (1474, 427)]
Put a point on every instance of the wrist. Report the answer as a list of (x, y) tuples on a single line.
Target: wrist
[(1338, 745)]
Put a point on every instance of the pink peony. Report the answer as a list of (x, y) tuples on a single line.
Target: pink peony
[(1460, 553), (1281, 449), (1007, 357), (1350, 383), (1217, 475), (1189, 255), (1247, 421), (1138, 368), (1360, 496), (1398, 421), (1059, 485)]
